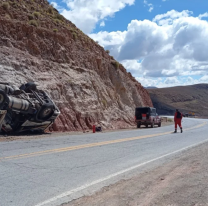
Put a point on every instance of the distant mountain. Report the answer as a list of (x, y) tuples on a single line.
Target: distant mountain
[(150, 87), (192, 98)]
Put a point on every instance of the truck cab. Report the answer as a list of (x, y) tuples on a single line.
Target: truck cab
[(147, 116)]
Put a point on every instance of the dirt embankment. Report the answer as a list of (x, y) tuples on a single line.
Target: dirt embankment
[(89, 86), (180, 182)]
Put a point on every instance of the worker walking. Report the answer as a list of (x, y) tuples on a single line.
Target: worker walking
[(177, 119)]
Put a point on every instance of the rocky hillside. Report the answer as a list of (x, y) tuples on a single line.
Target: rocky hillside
[(89, 86), (186, 98)]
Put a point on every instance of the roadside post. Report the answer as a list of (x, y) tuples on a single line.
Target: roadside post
[(93, 128)]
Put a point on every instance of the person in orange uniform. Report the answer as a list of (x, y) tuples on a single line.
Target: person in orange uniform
[(177, 119)]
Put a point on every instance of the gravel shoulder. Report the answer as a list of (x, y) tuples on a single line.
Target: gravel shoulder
[(182, 181), (59, 134)]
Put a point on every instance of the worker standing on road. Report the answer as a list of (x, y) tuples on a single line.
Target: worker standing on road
[(177, 119)]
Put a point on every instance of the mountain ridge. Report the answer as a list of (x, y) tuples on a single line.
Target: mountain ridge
[(191, 98)]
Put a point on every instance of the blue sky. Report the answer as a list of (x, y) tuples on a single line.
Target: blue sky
[(161, 42), (139, 11)]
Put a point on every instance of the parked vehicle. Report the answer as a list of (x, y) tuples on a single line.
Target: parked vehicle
[(25, 108), (147, 116)]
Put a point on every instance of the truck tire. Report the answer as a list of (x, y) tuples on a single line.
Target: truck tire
[(28, 86), (3, 98), (138, 125), (153, 124), (159, 125), (45, 112)]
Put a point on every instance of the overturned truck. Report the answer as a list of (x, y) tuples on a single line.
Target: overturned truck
[(25, 108)]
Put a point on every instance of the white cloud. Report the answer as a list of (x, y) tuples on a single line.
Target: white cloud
[(148, 82), (203, 15), (102, 24), (54, 4), (106, 38), (170, 16), (151, 7), (142, 37), (132, 66), (171, 45), (171, 80), (86, 14), (111, 41), (204, 78)]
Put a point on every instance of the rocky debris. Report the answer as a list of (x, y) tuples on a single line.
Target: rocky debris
[(78, 73)]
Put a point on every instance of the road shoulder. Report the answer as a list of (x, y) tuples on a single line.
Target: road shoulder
[(62, 134), (180, 181)]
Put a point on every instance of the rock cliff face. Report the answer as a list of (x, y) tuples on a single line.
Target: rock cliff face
[(88, 85)]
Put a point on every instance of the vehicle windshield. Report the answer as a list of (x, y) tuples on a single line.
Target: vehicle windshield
[(142, 110)]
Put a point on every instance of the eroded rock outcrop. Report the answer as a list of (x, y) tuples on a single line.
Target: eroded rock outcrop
[(87, 84)]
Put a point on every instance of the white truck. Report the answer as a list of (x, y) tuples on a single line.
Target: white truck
[(25, 108)]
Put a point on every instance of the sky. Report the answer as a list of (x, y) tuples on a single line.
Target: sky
[(163, 43)]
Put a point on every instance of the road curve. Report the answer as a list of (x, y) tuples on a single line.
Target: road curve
[(55, 170)]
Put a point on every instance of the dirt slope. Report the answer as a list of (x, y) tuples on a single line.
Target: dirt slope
[(186, 98), (89, 86)]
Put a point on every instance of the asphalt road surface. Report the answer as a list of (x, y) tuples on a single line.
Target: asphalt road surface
[(51, 171)]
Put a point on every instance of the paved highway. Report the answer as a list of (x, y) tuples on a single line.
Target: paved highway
[(50, 171)]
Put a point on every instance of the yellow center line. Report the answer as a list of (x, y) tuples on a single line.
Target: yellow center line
[(90, 145)]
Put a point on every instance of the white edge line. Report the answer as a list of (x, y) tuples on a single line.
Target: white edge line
[(78, 189)]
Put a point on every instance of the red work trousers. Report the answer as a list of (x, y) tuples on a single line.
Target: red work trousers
[(178, 122)]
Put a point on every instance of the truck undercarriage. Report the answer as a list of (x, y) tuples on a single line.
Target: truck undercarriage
[(25, 108)]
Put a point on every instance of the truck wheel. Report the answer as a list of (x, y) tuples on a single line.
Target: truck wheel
[(138, 125), (3, 98), (159, 125), (45, 112), (28, 86), (152, 125)]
